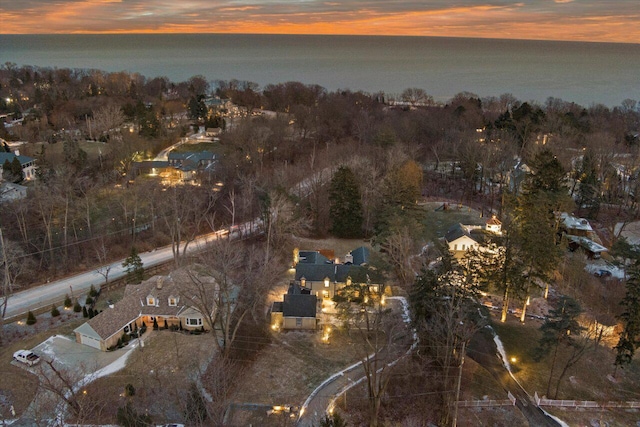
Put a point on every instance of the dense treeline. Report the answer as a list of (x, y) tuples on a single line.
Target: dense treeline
[(466, 147)]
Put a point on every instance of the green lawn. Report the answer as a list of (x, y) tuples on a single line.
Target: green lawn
[(436, 223)]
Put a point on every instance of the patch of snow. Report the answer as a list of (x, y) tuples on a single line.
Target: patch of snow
[(503, 354), (556, 419), (594, 266)]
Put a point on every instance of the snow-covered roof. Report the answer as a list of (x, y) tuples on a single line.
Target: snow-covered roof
[(571, 222)]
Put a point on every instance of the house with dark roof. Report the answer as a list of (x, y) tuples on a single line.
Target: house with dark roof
[(459, 240), (297, 310), (324, 277), (27, 163), (190, 163), (155, 301)]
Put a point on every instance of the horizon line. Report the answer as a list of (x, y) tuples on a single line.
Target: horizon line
[(146, 33)]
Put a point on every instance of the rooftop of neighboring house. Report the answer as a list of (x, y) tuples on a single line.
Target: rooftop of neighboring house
[(11, 191), (298, 302), (314, 266), (197, 156), (10, 156), (493, 221), (588, 244), (573, 223), (457, 231)]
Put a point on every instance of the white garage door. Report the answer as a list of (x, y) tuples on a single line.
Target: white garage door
[(91, 342)]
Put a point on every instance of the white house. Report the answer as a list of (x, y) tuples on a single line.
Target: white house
[(460, 240)]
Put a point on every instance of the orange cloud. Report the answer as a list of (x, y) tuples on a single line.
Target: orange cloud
[(533, 20)]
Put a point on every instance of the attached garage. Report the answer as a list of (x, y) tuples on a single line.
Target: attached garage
[(87, 336)]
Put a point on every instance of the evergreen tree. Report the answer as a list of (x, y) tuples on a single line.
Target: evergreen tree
[(31, 318), (77, 308), (67, 301), (133, 266), (590, 187), (345, 205), (16, 170), (54, 311), (85, 313), (630, 336)]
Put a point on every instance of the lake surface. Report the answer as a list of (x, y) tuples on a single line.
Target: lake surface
[(585, 73)]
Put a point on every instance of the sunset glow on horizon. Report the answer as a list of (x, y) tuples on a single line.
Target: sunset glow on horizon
[(570, 20)]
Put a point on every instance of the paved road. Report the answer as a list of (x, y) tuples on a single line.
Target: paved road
[(46, 294)]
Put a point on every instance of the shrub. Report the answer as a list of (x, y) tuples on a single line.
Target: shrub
[(92, 292), (88, 301), (91, 312), (31, 319), (129, 390), (77, 308), (84, 312), (125, 338), (67, 301), (54, 311)]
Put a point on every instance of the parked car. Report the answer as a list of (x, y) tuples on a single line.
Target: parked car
[(26, 357), (602, 273)]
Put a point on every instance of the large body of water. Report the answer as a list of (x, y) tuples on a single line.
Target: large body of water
[(585, 73)]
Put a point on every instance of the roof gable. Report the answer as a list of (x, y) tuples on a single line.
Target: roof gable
[(299, 305), (315, 272)]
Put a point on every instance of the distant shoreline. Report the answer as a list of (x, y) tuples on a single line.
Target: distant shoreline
[(531, 70)]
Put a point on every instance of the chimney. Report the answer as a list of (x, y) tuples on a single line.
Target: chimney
[(17, 152), (160, 282)]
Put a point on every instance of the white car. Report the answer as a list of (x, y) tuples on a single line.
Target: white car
[(26, 357)]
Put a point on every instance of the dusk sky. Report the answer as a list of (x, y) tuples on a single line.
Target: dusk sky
[(584, 20)]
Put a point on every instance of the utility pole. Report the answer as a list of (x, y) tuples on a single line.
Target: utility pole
[(455, 411)]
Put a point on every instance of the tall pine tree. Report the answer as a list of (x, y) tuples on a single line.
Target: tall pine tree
[(345, 206), (630, 335)]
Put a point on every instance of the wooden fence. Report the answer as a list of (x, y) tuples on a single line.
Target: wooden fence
[(584, 403), (510, 401)]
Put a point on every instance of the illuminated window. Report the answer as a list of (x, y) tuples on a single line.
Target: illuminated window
[(326, 282), (325, 294), (173, 301), (151, 300)]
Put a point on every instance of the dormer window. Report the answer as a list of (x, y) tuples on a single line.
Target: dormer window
[(303, 281), (151, 300), (349, 281), (326, 282), (173, 301)]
